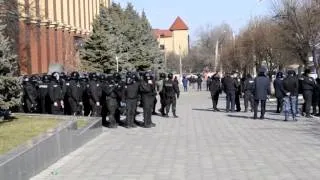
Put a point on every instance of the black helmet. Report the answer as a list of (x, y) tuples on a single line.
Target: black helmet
[(75, 75), (117, 77), (162, 75), (102, 77), (93, 76), (26, 79), (147, 76), (279, 75), (55, 76), (63, 75), (33, 79), (170, 76), (129, 78), (46, 78)]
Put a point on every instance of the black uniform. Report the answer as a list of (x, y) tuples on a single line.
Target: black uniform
[(45, 104), (237, 94), (113, 93), (147, 95), (84, 82), (209, 80), (279, 91), (215, 89), (30, 96), (199, 81), (172, 92), (229, 87), (248, 93), (95, 94), (74, 93), (160, 88), (131, 91), (56, 95), (308, 85)]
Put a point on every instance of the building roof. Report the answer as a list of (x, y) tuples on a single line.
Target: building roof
[(179, 24), (162, 33)]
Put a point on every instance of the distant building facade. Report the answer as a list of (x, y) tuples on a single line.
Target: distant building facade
[(51, 31), (175, 39)]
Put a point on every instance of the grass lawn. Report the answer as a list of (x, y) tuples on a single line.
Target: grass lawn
[(82, 123), (23, 128)]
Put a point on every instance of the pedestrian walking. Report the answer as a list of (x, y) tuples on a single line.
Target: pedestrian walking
[(185, 84)]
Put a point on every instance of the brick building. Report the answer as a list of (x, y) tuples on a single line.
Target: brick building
[(50, 32)]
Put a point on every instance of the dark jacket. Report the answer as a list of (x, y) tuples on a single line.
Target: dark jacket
[(307, 83), (248, 85), (131, 91), (291, 85), (215, 86), (171, 89), (229, 84), (75, 91), (95, 91), (278, 87), (56, 92), (261, 87)]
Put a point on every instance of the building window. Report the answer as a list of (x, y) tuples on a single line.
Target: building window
[(162, 47)]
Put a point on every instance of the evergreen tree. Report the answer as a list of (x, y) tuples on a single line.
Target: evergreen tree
[(10, 87), (121, 33)]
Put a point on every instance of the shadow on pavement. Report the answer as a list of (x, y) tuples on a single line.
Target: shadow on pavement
[(251, 117)]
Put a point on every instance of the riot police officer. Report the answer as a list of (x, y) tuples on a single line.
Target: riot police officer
[(95, 93), (248, 93), (161, 92), (172, 92), (84, 82), (113, 97), (308, 85), (30, 95), (74, 94), (56, 94), (44, 95), (131, 91), (147, 95)]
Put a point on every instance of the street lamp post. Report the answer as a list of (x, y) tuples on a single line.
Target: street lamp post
[(117, 60), (180, 61)]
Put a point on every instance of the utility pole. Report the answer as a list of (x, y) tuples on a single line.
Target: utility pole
[(180, 60), (216, 56)]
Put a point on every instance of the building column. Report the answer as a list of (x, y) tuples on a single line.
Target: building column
[(22, 53), (44, 48), (52, 44), (59, 42)]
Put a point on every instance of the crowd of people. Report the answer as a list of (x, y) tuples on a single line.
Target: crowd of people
[(257, 91), (100, 95)]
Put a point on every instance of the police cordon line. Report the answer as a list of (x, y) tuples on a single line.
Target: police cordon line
[(101, 95)]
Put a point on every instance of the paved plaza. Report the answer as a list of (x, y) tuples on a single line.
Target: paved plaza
[(200, 144)]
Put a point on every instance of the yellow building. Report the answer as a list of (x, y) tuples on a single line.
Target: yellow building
[(51, 31), (175, 39)]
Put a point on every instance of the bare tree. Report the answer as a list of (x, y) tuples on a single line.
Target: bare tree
[(300, 24)]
